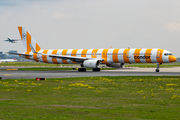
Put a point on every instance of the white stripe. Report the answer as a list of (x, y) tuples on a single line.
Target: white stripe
[(109, 56), (59, 52), (120, 55), (153, 55), (79, 52), (131, 56), (49, 59), (142, 53), (89, 52), (69, 54), (99, 53), (40, 56), (24, 38), (31, 57), (33, 43), (165, 58)]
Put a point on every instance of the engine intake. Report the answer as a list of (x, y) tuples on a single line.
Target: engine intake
[(91, 63)]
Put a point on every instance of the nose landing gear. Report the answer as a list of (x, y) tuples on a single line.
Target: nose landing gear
[(157, 70)]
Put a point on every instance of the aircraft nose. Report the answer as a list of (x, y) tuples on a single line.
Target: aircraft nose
[(172, 58)]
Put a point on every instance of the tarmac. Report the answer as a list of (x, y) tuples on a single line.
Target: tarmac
[(17, 74)]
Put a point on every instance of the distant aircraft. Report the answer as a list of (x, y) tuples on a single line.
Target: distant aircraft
[(92, 58), (12, 40), (7, 60)]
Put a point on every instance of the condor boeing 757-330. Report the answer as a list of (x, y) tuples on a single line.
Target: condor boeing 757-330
[(92, 58)]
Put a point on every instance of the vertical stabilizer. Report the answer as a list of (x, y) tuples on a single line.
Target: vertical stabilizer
[(28, 40)]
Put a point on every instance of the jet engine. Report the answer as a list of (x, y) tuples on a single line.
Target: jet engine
[(91, 63), (116, 65)]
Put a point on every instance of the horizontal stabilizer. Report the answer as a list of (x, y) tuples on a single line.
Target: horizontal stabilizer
[(19, 54)]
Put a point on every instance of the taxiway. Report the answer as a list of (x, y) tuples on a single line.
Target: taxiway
[(62, 74)]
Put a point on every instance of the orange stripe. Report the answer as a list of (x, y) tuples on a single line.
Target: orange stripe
[(44, 57), (126, 60), (115, 55), (73, 53), (55, 59), (136, 54), (93, 55), (104, 56), (159, 60), (148, 53), (35, 57), (38, 48), (28, 41), (64, 53), (20, 31), (83, 53), (27, 57)]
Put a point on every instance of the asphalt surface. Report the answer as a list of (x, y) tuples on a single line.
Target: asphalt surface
[(16, 74)]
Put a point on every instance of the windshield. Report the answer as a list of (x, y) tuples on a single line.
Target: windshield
[(167, 54)]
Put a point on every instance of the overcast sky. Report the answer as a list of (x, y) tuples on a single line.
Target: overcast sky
[(75, 24)]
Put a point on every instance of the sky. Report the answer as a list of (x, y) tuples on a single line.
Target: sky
[(84, 24)]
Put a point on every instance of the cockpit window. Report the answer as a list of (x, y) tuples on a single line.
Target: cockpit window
[(167, 54)]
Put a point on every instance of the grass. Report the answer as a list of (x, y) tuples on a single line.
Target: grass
[(135, 97), (39, 64)]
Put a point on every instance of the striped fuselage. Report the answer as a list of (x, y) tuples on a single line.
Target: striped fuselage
[(108, 55)]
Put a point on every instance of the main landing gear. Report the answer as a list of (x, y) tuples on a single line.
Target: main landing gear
[(96, 69), (157, 70), (81, 69), (84, 69)]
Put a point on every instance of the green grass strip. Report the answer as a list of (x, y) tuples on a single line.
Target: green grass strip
[(122, 97)]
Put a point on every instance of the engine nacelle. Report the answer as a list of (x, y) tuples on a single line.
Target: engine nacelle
[(116, 65), (91, 63)]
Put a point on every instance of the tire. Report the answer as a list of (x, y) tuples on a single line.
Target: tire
[(157, 70), (96, 69), (82, 70)]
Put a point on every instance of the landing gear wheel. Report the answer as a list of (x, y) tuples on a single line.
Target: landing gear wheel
[(96, 69), (157, 70), (82, 70)]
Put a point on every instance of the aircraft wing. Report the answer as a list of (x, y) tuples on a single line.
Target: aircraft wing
[(73, 58), (15, 39), (64, 57)]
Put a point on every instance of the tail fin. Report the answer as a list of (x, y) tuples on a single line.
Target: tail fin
[(28, 40)]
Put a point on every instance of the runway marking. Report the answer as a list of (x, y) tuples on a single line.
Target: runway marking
[(7, 74)]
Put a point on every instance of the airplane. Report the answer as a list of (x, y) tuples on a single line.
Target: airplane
[(92, 58), (7, 60), (12, 40)]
